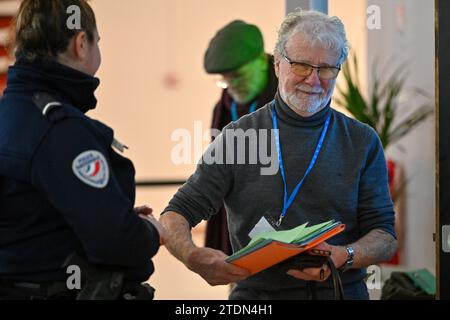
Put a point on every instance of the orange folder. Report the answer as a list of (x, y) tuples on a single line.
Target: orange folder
[(275, 252)]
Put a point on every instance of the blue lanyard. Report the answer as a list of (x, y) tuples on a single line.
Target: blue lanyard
[(234, 113), (288, 202)]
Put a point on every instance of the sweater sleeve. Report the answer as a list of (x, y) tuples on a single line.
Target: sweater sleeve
[(375, 207), (202, 195)]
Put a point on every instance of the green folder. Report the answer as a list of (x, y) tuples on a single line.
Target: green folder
[(299, 235)]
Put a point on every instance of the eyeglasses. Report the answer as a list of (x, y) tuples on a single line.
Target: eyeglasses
[(303, 69)]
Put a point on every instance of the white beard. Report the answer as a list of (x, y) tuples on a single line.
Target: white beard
[(308, 104)]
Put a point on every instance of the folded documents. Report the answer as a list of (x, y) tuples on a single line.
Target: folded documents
[(269, 248)]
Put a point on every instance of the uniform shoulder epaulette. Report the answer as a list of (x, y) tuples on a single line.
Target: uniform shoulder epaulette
[(49, 106)]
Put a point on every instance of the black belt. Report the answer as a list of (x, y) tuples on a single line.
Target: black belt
[(18, 290)]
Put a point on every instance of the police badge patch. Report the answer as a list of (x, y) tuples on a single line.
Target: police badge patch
[(91, 168)]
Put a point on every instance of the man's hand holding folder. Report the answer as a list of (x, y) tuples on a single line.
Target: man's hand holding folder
[(337, 253), (270, 248), (210, 265)]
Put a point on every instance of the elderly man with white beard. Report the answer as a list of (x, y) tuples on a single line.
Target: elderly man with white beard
[(330, 167)]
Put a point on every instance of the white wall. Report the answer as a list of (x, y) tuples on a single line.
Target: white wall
[(145, 43), (353, 15), (9, 7), (407, 35)]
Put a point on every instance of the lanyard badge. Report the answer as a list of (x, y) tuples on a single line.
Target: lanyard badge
[(288, 200)]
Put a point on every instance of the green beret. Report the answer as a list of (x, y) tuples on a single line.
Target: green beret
[(233, 46)]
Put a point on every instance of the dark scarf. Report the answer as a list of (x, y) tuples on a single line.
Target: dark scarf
[(63, 83)]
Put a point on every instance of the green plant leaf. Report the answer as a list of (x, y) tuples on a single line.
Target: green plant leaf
[(410, 122), (380, 110)]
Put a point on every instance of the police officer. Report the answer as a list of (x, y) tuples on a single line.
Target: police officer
[(64, 186)]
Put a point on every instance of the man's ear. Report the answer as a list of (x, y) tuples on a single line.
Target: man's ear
[(80, 47), (276, 64)]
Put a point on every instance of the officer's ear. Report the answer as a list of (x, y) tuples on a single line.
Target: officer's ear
[(80, 46)]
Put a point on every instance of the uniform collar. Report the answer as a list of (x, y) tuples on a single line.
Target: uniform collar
[(60, 81)]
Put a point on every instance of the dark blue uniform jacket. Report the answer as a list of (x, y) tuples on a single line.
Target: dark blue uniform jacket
[(47, 212)]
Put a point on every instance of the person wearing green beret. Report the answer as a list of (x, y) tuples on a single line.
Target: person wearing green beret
[(237, 53)]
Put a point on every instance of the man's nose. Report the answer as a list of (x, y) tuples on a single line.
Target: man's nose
[(313, 79)]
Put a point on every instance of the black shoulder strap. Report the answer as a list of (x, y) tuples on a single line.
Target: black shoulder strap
[(49, 106), (337, 281)]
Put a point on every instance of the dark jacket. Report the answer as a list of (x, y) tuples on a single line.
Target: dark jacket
[(63, 189)]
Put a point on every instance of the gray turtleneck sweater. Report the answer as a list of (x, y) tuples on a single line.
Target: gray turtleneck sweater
[(349, 183)]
